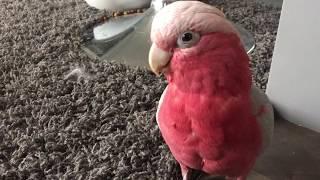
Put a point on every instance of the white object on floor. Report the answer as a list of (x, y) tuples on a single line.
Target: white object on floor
[(116, 27), (294, 85), (118, 5)]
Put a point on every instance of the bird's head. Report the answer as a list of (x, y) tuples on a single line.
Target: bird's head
[(185, 30)]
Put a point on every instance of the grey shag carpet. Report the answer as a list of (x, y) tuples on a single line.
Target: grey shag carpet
[(65, 116)]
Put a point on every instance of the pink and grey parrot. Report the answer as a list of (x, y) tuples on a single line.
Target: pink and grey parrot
[(210, 115)]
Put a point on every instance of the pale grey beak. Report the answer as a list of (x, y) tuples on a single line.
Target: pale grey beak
[(158, 59)]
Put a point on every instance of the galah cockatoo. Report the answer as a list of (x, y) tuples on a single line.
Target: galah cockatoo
[(210, 115)]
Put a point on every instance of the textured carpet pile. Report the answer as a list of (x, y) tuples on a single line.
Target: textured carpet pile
[(65, 116)]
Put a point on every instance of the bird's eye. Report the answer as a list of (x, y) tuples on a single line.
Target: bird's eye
[(188, 39)]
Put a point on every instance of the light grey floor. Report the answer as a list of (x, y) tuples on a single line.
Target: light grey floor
[(293, 155)]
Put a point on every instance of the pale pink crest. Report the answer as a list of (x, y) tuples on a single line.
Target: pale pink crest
[(182, 16)]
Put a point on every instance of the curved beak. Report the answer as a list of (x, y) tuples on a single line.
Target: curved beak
[(159, 59)]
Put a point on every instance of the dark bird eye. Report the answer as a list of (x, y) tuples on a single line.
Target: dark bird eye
[(188, 39)]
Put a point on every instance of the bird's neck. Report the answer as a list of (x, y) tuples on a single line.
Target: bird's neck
[(217, 64), (211, 79)]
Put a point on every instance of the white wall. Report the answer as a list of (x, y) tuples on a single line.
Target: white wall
[(294, 82)]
